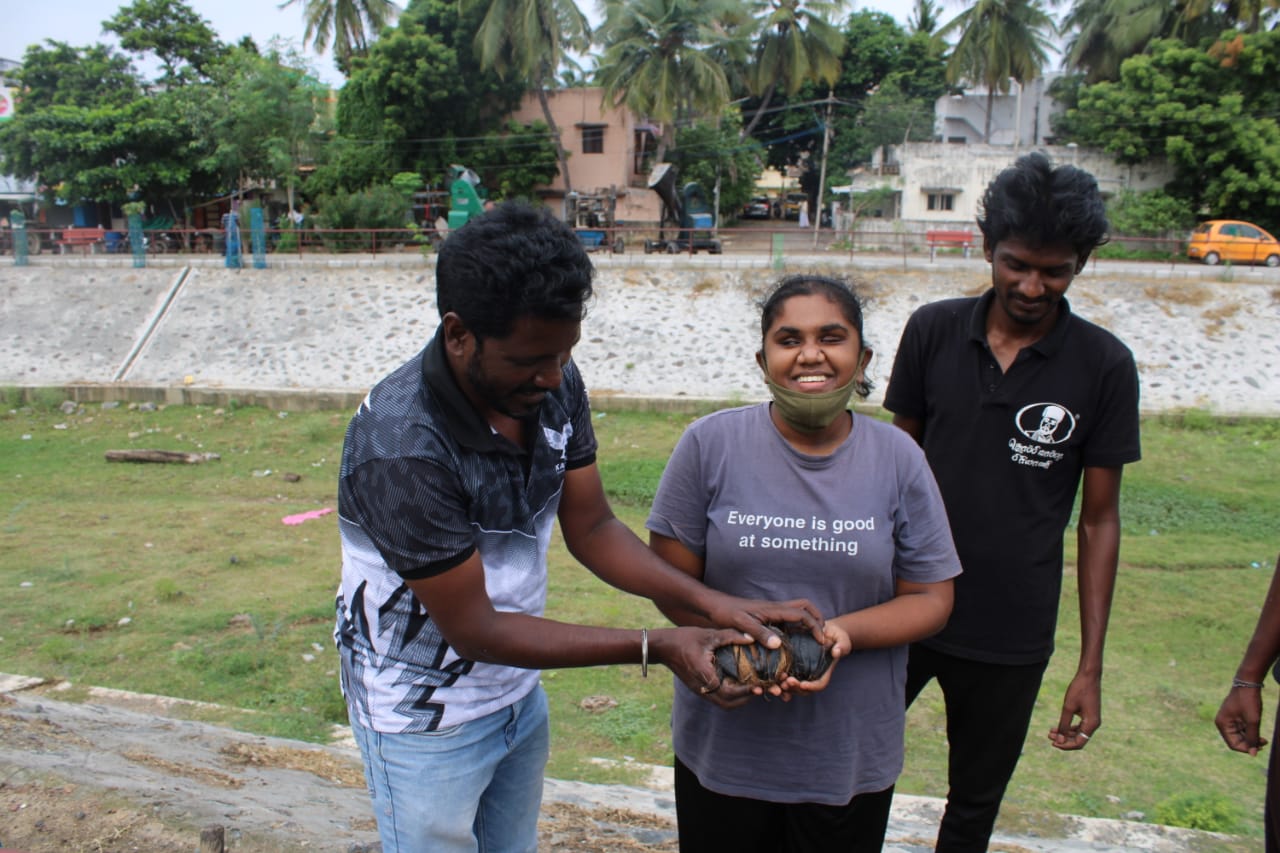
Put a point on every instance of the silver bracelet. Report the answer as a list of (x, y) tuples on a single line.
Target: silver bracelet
[(1251, 685), (644, 653)]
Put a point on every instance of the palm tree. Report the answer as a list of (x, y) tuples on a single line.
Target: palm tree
[(350, 25), (1104, 33), (664, 59), (530, 38), (924, 17), (999, 40), (797, 45), (1107, 32)]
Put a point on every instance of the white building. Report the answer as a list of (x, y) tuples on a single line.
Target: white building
[(937, 185), (1019, 117)]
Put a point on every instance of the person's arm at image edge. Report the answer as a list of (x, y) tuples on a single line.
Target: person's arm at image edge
[(1241, 713), (1097, 555)]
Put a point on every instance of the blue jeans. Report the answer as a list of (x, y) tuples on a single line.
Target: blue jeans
[(473, 788)]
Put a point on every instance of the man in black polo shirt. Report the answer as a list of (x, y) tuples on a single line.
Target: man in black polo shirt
[(1016, 401), (454, 470)]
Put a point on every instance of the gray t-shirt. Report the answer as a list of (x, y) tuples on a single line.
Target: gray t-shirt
[(773, 523)]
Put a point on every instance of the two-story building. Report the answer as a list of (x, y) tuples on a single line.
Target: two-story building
[(937, 185), (610, 154)]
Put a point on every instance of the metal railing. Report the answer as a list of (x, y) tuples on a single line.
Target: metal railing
[(775, 238)]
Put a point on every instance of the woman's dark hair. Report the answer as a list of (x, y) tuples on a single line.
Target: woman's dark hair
[(837, 290), (514, 261), (1042, 205)]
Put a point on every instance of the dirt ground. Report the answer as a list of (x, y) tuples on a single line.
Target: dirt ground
[(99, 779), (121, 772)]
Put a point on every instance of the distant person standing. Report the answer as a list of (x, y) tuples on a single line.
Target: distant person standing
[(1240, 716), (1016, 401)]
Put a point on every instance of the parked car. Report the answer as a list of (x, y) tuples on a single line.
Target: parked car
[(1231, 240), (791, 204), (758, 208)]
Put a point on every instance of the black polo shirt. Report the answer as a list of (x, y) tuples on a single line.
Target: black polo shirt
[(1008, 450)]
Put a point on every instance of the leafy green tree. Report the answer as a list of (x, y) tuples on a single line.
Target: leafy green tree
[(888, 83), (1211, 112), (57, 74), (418, 102), (350, 26), (514, 162), (108, 153), (889, 116), (170, 30), (714, 153), (999, 40), (664, 59), (87, 129), (260, 117), (528, 39), (797, 44)]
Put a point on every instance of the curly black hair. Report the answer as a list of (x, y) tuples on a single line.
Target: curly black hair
[(513, 261), (1043, 205)]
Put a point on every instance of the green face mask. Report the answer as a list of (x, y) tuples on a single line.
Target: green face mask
[(809, 412)]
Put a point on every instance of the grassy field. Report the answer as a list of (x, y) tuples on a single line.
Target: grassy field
[(182, 580)]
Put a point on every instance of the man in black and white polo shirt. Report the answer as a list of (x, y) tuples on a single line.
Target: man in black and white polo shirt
[(1016, 401), (454, 470)]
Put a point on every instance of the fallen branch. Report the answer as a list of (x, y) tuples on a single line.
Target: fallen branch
[(159, 456)]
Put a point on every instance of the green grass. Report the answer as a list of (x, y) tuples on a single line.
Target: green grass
[(181, 580)]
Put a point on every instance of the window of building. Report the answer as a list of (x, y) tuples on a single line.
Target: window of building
[(593, 139), (942, 201)]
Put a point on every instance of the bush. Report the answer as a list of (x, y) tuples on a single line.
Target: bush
[(1150, 214), (1208, 812), (378, 207)]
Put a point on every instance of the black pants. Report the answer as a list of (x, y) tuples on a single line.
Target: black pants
[(988, 712), (711, 823)]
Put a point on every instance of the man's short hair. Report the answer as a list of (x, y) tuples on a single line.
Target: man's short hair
[(514, 261), (1043, 205)]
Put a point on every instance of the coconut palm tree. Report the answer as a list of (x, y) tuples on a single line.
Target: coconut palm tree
[(529, 38), (797, 44), (924, 17), (999, 40), (665, 59), (349, 25), (1104, 33)]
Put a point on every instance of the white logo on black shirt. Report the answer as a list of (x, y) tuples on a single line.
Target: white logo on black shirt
[(559, 441), (1046, 423)]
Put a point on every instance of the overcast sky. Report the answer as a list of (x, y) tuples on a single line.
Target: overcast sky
[(79, 22)]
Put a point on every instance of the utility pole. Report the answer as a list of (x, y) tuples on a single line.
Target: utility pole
[(822, 170)]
